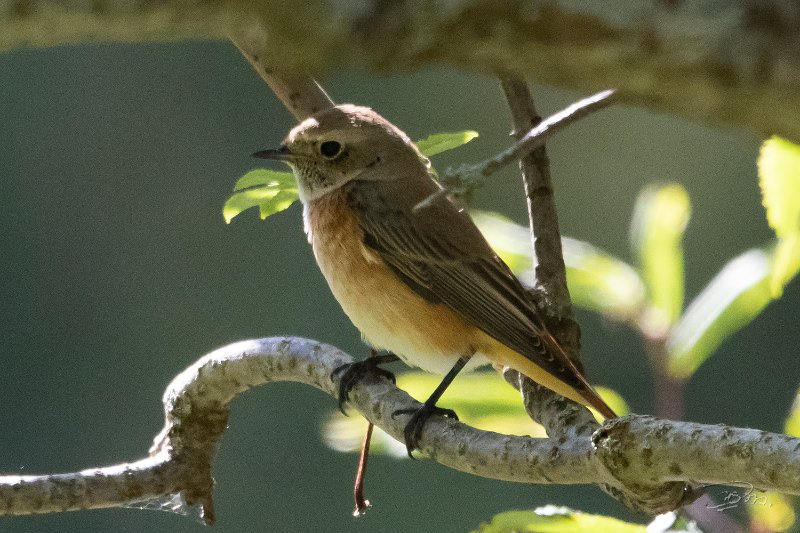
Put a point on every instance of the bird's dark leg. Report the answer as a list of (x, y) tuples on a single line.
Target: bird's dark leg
[(352, 373), (419, 416)]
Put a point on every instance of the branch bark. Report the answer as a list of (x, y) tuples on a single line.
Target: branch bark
[(551, 274), (722, 62), (626, 456)]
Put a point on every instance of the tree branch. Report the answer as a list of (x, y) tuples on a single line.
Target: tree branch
[(627, 456), (550, 272), (464, 178), (301, 95), (725, 62)]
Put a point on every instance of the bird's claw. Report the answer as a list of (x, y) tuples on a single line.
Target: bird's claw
[(413, 431), (351, 373)]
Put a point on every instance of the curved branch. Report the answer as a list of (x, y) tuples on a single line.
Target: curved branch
[(627, 456)]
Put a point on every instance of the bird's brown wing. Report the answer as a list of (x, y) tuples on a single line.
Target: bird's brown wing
[(441, 255)]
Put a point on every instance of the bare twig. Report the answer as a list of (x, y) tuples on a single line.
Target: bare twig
[(620, 456), (539, 134), (362, 504), (551, 274), (301, 95), (465, 177)]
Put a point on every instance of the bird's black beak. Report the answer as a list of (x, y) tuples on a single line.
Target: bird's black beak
[(282, 153)]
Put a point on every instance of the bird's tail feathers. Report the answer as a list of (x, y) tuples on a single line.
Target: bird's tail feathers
[(586, 391)]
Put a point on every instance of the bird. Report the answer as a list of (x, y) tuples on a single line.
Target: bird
[(423, 283)]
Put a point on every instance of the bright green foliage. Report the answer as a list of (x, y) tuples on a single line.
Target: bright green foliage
[(773, 511), (551, 519), (597, 281), (770, 511), (271, 191), (779, 178), (497, 407), (792, 424), (601, 282), (728, 303), (510, 241), (441, 142), (659, 221)]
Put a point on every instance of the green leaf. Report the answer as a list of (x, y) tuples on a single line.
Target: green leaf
[(785, 264), (602, 283), (481, 399), (552, 519), (441, 142), (268, 190), (511, 241), (769, 511), (660, 218), (262, 177), (779, 178), (597, 281), (792, 424), (736, 295)]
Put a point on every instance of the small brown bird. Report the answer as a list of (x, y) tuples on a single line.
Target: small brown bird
[(423, 284)]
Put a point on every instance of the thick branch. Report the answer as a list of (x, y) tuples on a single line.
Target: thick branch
[(628, 456), (722, 62)]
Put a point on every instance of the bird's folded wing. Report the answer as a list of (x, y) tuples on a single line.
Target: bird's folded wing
[(441, 255)]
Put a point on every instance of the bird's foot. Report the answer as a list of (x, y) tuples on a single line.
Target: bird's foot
[(352, 373), (413, 430)]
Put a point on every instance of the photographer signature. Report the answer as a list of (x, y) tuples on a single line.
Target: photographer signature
[(734, 497)]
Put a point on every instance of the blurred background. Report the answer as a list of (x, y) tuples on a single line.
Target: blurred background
[(118, 271)]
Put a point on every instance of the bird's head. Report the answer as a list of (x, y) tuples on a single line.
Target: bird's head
[(341, 144)]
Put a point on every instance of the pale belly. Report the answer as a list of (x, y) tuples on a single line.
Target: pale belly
[(387, 312)]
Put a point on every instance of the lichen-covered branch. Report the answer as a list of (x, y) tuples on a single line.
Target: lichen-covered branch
[(625, 456), (721, 62)]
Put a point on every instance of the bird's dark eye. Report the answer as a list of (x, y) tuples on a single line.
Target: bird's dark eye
[(330, 149)]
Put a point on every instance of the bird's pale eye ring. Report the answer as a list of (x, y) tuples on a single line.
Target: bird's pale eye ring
[(330, 149)]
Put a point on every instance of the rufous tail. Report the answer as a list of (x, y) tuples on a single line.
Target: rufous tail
[(587, 393)]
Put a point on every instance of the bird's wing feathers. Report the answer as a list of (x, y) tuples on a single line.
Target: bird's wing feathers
[(442, 256)]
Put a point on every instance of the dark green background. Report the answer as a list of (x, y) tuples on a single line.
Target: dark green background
[(118, 271)]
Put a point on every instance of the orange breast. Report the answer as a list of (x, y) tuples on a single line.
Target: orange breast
[(389, 314), (393, 317)]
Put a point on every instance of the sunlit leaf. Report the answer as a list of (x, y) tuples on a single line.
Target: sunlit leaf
[(268, 190), (597, 281), (602, 283), (792, 424), (481, 399), (770, 511), (786, 263), (441, 142), (779, 178), (262, 177), (614, 400), (659, 221), (511, 241), (552, 519), (736, 295)]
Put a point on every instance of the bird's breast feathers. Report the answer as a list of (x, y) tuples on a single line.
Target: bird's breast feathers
[(389, 314)]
